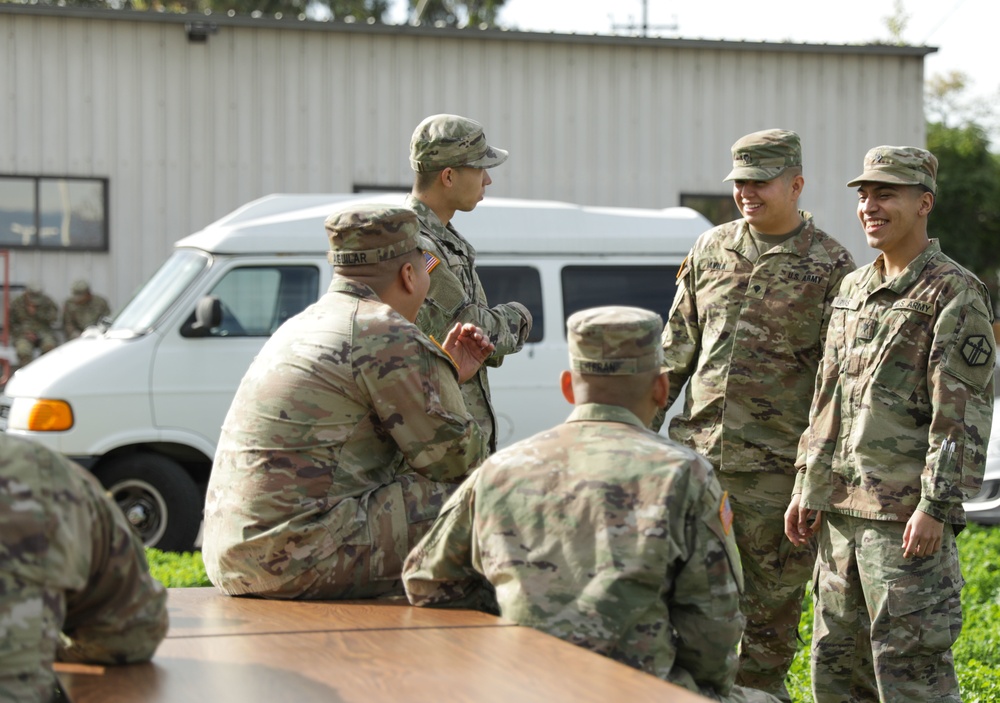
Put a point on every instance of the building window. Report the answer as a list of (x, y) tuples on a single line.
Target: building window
[(649, 287), (719, 209), (54, 213)]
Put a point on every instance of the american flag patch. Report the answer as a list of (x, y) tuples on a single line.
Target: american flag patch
[(430, 261), (726, 513)]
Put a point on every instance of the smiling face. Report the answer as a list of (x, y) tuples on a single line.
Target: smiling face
[(771, 207), (893, 217)]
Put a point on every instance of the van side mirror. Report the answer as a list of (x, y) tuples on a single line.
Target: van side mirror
[(207, 314)]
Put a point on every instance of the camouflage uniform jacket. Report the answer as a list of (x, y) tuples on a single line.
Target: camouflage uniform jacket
[(456, 295), (904, 399), (23, 321), (748, 338), (79, 316), (342, 398), (601, 533), (74, 583)]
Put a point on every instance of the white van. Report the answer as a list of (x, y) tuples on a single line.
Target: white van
[(141, 402)]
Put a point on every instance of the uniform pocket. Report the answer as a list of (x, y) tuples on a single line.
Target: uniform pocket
[(925, 613)]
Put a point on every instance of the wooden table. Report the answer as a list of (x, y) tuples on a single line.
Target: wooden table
[(242, 650)]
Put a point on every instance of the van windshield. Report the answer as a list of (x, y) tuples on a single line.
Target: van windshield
[(159, 293)]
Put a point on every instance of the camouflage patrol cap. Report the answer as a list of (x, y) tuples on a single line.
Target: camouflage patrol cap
[(902, 165), (370, 233), (443, 141), (615, 341), (80, 287), (763, 156)]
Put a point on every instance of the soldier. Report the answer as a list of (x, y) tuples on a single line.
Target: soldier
[(74, 583), (746, 333), (82, 309), (599, 531), (347, 432), (32, 315), (451, 159), (897, 438)]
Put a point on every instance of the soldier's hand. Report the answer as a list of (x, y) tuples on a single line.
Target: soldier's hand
[(922, 536), (800, 523), (469, 347)]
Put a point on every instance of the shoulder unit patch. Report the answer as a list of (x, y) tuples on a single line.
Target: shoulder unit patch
[(976, 350)]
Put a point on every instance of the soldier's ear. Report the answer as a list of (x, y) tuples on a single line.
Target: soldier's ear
[(408, 277), (566, 384), (661, 390)]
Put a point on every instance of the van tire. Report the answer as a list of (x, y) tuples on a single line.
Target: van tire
[(158, 497)]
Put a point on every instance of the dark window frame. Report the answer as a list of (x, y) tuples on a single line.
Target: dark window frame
[(37, 181), (723, 199)]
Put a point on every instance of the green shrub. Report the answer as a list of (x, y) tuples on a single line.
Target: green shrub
[(977, 652), (177, 569)]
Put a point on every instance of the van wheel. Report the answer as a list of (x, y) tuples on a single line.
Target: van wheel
[(158, 497)]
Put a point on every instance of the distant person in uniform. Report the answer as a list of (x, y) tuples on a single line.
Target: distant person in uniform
[(347, 432), (32, 315), (897, 442), (745, 333), (74, 582), (452, 158), (82, 309), (599, 531)]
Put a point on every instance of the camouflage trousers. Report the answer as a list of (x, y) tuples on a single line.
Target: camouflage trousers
[(884, 625), (775, 573), (45, 341), (741, 694), (394, 518)]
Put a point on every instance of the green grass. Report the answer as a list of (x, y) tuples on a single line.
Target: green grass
[(977, 652)]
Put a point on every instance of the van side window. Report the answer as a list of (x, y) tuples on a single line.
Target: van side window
[(649, 287), (255, 300), (521, 284)]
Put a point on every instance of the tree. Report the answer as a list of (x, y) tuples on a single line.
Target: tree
[(456, 14), (966, 214)]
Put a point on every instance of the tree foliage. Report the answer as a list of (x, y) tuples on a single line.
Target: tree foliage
[(464, 14)]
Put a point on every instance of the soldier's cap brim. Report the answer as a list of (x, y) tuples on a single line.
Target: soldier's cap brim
[(493, 157), (880, 176), (754, 173)]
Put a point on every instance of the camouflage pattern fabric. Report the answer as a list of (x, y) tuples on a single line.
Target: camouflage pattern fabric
[(442, 141), (78, 316), (32, 315), (900, 422), (913, 612), (746, 334), (74, 583), (344, 438), (456, 295), (603, 534)]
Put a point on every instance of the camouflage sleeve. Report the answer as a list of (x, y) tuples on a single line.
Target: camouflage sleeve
[(48, 311), (120, 616), (960, 370), (706, 593), (681, 337), (420, 404), (440, 570)]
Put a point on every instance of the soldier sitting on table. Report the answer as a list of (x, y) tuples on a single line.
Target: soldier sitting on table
[(74, 583), (32, 315), (600, 531), (82, 309), (348, 431)]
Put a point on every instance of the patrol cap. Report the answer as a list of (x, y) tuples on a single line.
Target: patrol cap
[(763, 156), (80, 287), (615, 341), (443, 141), (902, 165), (369, 233)]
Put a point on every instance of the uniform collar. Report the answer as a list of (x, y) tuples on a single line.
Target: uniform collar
[(604, 413), (904, 280), (742, 241), (339, 284)]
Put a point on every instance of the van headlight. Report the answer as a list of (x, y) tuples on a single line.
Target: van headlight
[(40, 415)]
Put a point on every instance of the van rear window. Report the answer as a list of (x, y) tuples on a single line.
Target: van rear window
[(649, 287), (522, 284)]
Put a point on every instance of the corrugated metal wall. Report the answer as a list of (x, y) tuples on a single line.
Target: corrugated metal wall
[(188, 131)]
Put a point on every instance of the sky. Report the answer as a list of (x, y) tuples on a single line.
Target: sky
[(965, 31)]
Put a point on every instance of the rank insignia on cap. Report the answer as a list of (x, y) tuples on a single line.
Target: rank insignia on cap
[(726, 513), (976, 350), (430, 261)]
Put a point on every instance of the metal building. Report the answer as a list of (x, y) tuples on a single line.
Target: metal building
[(121, 131)]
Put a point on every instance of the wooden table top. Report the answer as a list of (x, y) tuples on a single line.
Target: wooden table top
[(475, 664), (207, 611)]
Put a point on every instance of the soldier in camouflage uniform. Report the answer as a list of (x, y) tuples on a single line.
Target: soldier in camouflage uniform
[(746, 333), (599, 531), (347, 432), (74, 583), (32, 315), (451, 159), (82, 309), (897, 436)]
